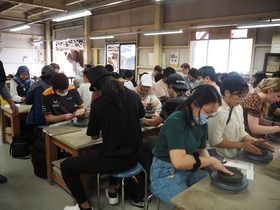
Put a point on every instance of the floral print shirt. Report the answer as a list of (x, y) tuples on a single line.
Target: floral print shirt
[(252, 105)]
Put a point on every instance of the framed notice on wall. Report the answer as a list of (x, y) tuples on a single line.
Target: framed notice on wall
[(174, 59), (271, 62)]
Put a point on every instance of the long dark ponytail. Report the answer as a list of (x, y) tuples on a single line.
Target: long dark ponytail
[(112, 89)]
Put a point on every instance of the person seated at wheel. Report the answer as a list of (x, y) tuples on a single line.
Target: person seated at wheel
[(227, 135), (181, 148)]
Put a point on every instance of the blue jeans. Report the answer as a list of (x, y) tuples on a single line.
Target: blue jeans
[(165, 186)]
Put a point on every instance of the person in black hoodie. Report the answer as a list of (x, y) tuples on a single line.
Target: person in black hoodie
[(35, 116)]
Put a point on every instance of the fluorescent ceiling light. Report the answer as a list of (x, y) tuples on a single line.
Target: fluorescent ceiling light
[(259, 24), (102, 37), (275, 20), (72, 15), (163, 32), (18, 28), (37, 42)]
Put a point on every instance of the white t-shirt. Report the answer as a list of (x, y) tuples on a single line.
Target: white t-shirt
[(233, 131), (85, 93)]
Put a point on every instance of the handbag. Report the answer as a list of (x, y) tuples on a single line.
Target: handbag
[(19, 148)]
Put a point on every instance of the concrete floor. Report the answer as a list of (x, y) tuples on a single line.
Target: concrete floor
[(25, 191)]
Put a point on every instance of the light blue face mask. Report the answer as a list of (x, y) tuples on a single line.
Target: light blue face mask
[(203, 119)]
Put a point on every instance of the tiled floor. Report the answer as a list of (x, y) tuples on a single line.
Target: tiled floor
[(25, 191)]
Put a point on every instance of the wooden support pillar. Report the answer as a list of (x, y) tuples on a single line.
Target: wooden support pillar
[(87, 43), (158, 38), (95, 56), (48, 43)]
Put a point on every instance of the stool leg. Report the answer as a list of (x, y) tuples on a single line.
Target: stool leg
[(122, 205), (98, 191), (146, 193), (158, 201), (148, 201)]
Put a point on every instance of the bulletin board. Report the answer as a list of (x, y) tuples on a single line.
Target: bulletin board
[(143, 56)]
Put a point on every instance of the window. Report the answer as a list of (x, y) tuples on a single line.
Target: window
[(239, 33), (227, 51), (121, 56)]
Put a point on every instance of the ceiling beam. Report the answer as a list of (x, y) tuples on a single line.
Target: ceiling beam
[(70, 2), (35, 13), (54, 5), (6, 7)]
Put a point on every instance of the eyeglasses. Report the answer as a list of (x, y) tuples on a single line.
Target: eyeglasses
[(213, 115), (240, 96)]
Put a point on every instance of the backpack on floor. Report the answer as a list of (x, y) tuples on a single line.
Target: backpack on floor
[(134, 189), (19, 148), (38, 158)]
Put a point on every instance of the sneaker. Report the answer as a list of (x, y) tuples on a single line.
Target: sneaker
[(74, 207), (3, 179), (112, 201)]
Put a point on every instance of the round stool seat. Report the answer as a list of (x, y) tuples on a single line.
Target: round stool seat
[(130, 172)]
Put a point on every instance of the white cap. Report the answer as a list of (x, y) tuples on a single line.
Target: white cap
[(146, 80)]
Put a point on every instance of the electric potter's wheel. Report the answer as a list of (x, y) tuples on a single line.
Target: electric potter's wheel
[(275, 138), (259, 158), (230, 187), (80, 121)]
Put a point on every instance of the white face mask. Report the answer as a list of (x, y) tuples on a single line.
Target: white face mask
[(62, 94)]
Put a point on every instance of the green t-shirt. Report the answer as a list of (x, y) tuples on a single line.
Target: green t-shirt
[(174, 134)]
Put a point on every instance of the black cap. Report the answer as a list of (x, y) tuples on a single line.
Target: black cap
[(95, 74), (47, 70), (177, 81)]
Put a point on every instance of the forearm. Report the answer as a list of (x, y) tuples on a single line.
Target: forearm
[(229, 144), (277, 112), (187, 161), (265, 122), (55, 118), (260, 129), (248, 138), (164, 98), (153, 122), (203, 152), (83, 106), (95, 137), (10, 101)]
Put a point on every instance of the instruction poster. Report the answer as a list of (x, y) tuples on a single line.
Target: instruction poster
[(174, 59)]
